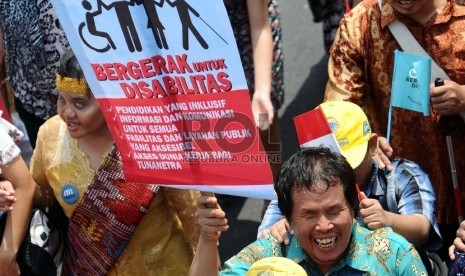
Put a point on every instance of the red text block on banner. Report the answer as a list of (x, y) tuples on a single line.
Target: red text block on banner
[(203, 139)]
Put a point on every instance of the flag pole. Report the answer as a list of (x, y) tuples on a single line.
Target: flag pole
[(453, 170), (388, 132)]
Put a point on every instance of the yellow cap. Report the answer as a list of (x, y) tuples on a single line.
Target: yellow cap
[(276, 266), (351, 128)]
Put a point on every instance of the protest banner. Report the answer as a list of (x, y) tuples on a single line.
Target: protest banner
[(169, 80), (410, 84)]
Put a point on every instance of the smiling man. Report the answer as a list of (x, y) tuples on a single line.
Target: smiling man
[(316, 192)]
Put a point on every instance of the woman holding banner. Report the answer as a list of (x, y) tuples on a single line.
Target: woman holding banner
[(115, 226)]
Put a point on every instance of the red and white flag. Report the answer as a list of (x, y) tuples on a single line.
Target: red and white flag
[(313, 130)]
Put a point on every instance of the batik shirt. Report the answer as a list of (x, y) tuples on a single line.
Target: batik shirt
[(379, 252), (406, 190), (360, 70)]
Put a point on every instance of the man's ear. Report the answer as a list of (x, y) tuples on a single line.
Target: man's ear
[(373, 143)]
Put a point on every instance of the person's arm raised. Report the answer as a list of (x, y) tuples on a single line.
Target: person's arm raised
[(212, 221), (262, 48)]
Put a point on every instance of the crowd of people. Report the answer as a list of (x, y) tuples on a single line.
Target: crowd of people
[(375, 208)]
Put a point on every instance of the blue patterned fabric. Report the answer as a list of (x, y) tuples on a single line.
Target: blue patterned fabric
[(379, 252), (457, 267)]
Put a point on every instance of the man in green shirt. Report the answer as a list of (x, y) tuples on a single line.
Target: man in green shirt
[(316, 193)]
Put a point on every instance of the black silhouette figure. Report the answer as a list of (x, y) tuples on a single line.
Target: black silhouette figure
[(183, 11), (92, 28), (154, 21), (126, 22)]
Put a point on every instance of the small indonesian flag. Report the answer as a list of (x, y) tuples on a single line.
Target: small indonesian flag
[(313, 130)]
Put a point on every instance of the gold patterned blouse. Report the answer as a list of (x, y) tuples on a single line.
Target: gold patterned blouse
[(360, 70), (167, 235)]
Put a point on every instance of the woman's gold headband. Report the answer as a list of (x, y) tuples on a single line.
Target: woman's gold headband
[(72, 85)]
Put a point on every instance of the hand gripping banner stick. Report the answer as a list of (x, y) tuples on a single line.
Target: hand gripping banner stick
[(450, 150)]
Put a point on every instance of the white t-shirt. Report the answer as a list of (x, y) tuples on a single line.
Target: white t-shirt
[(9, 134)]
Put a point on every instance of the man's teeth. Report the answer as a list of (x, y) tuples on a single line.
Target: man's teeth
[(328, 242)]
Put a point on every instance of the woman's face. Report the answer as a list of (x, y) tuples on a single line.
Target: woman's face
[(81, 114)]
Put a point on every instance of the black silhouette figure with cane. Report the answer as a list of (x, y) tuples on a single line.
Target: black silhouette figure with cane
[(183, 11)]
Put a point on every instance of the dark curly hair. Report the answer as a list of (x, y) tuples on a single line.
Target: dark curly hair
[(69, 66), (315, 166)]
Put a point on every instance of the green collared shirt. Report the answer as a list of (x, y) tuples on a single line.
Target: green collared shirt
[(379, 252)]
